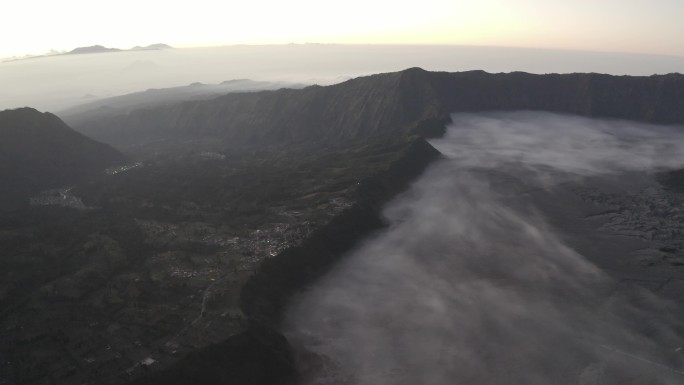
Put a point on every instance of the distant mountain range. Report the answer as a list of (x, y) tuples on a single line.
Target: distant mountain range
[(385, 104), (125, 104), (94, 49), (91, 49), (39, 151), (102, 49), (151, 47)]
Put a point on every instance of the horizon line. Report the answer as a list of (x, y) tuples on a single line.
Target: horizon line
[(17, 57)]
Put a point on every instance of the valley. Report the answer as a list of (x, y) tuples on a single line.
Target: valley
[(179, 254), (153, 258)]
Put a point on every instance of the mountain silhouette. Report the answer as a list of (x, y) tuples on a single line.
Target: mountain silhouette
[(91, 49), (39, 151)]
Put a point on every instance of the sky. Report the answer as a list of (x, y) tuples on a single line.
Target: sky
[(633, 26)]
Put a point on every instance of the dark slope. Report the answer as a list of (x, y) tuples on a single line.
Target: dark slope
[(389, 103), (39, 151)]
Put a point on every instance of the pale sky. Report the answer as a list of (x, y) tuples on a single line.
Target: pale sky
[(636, 26)]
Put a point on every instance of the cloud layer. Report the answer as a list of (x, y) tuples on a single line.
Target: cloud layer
[(471, 285)]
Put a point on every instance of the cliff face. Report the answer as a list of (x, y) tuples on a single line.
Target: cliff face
[(38, 151), (260, 355), (266, 294), (655, 99), (386, 104)]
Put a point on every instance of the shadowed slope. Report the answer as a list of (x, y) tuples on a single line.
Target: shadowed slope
[(38, 151)]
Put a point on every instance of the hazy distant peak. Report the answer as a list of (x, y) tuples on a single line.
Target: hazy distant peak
[(157, 46), (414, 70), (95, 49), (91, 49), (233, 81), (414, 74), (483, 72), (100, 49)]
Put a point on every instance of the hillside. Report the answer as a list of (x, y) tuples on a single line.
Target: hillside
[(39, 151), (385, 104)]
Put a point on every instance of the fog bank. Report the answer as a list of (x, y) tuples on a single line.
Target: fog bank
[(470, 284)]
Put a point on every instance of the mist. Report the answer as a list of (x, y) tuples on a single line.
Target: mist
[(478, 281), (55, 83)]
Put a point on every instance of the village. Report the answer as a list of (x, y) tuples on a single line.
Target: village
[(189, 297)]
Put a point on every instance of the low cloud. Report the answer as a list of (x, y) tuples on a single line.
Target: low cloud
[(470, 284), (555, 144)]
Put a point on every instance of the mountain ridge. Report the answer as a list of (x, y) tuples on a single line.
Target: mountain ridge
[(389, 103), (153, 97)]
